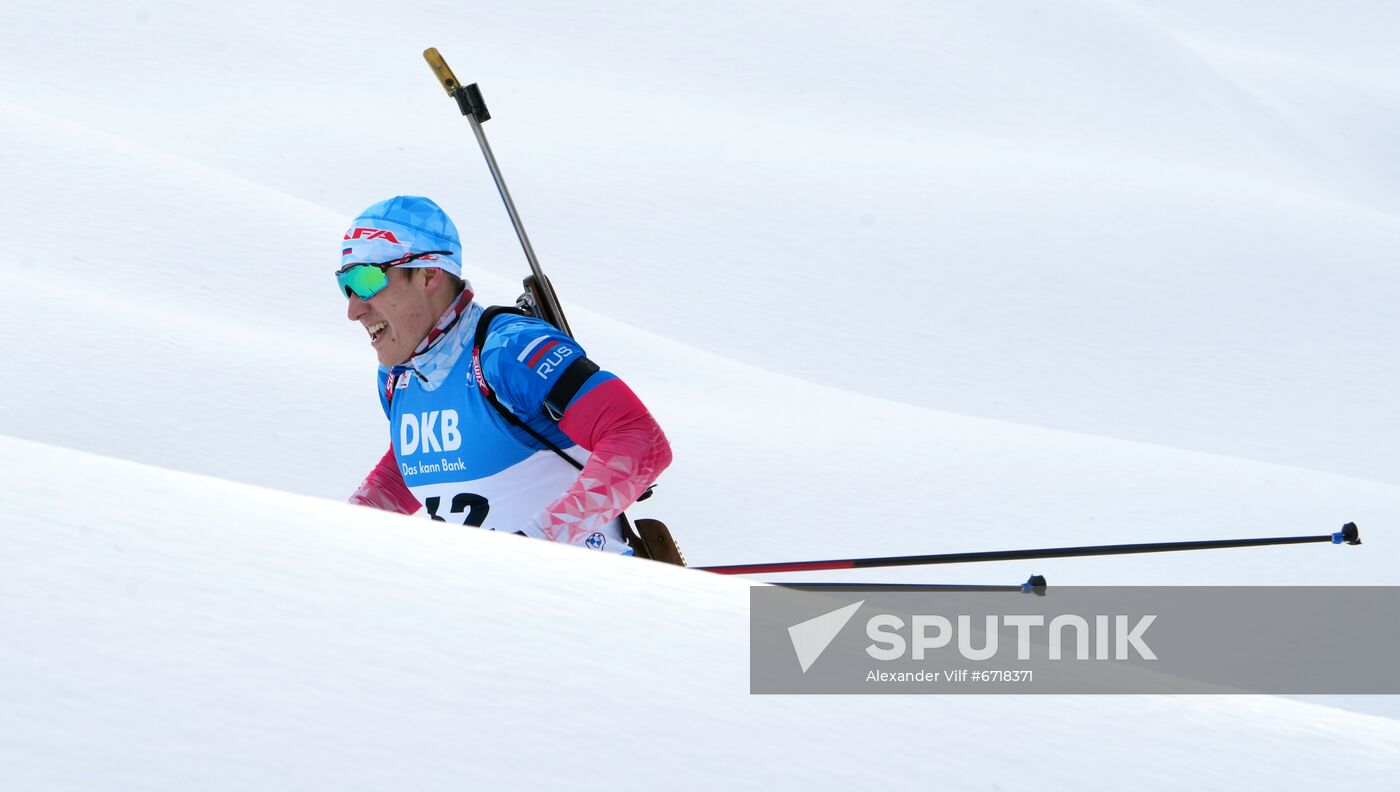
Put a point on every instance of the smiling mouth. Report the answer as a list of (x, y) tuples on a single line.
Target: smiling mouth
[(376, 331)]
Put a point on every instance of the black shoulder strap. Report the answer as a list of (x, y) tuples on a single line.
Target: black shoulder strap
[(483, 326), (568, 386)]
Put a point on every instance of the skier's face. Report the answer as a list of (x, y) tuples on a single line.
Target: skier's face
[(399, 317)]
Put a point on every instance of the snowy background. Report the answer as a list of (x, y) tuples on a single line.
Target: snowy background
[(908, 278)]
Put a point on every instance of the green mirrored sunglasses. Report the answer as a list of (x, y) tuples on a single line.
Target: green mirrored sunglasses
[(364, 280)]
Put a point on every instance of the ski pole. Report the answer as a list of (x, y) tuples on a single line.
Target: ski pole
[(1035, 584), (1349, 535), (537, 286)]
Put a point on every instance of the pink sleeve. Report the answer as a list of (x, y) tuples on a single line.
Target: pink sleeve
[(628, 450), (384, 489)]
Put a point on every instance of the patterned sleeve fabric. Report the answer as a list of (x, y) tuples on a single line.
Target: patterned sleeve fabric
[(384, 488), (629, 451)]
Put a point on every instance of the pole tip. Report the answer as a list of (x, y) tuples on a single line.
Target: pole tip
[(1035, 584), (1351, 534)]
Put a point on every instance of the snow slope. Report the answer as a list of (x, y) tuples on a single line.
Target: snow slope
[(242, 638), (911, 279)]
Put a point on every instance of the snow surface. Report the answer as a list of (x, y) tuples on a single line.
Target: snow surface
[(912, 278), (287, 642)]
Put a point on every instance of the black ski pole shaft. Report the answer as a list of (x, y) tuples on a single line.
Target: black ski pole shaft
[(1034, 585), (473, 106), (1349, 535)]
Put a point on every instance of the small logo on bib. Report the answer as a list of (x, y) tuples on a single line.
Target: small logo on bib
[(596, 541)]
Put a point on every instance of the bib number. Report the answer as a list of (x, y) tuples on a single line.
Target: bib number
[(475, 506)]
